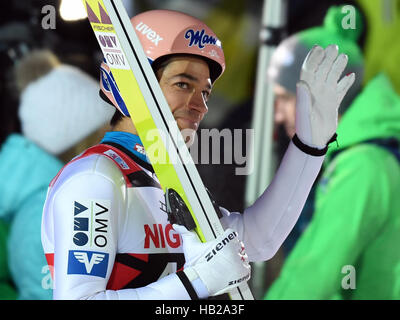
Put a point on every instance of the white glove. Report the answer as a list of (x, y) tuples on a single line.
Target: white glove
[(220, 264), (319, 95)]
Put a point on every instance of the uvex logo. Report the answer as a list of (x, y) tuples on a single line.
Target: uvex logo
[(160, 235), (149, 33)]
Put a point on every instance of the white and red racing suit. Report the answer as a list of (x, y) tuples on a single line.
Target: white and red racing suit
[(106, 235)]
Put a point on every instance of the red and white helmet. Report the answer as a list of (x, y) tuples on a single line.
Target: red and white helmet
[(163, 33)]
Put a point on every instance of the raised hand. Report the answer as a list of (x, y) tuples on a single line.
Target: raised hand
[(319, 94)]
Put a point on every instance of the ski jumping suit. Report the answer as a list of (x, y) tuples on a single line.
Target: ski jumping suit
[(105, 231)]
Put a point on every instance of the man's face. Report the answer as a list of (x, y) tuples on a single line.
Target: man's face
[(285, 110), (186, 85)]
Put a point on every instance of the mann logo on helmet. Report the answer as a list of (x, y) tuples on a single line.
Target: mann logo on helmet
[(149, 33), (200, 38)]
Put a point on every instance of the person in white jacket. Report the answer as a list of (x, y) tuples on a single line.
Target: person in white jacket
[(105, 232)]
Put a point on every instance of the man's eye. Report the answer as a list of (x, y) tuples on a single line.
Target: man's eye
[(182, 85)]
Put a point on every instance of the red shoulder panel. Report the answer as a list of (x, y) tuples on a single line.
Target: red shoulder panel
[(123, 161)]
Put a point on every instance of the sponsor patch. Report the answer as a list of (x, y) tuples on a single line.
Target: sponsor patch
[(102, 17), (149, 33), (112, 50), (89, 263), (91, 220), (201, 39), (139, 148), (117, 159)]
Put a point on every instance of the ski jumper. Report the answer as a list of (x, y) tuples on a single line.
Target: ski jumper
[(105, 231)]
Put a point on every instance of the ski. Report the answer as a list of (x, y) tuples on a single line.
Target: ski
[(153, 119)]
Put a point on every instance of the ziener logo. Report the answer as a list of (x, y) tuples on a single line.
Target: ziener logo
[(220, 245)]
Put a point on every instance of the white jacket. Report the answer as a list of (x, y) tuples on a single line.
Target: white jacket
[(106, 235)]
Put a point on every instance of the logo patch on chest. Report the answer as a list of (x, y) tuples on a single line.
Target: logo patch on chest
[(160, 236)]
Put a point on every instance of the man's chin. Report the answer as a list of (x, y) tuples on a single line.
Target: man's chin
[(189, 136)]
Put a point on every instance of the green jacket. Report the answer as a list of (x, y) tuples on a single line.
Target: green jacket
[(353, 238)]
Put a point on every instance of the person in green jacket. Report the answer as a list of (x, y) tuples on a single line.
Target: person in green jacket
[(349, 248)]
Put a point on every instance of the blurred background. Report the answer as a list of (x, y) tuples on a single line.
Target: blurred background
[(237, 23)]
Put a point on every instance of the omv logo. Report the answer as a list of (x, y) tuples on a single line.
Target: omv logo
[(200, 38)]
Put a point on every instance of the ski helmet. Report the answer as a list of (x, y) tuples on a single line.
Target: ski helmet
[(163, 33)]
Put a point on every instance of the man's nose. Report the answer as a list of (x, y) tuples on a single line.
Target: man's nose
[(198, 103)]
